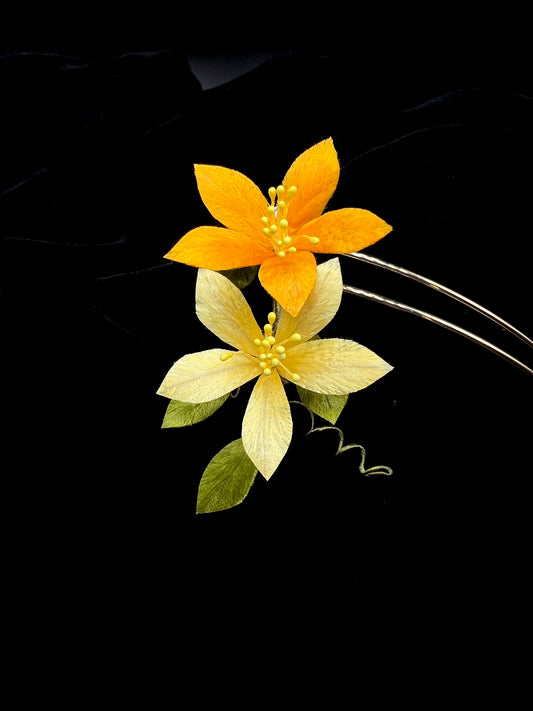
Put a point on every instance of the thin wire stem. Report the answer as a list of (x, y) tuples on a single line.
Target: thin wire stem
[(444, 290), (440, 322)]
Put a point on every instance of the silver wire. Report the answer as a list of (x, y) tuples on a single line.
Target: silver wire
[(445, 290), (440, 322)]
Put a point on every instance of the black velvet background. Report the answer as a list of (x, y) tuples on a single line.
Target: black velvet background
[(96, 184)]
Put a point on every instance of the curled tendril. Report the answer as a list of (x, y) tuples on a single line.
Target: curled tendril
[(379, 469)]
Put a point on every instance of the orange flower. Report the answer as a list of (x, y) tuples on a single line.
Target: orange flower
[(282, 235)]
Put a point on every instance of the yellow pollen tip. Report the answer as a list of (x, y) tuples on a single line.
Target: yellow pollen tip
[(280, 190), (257, 341), (282, 356), (281, 254), (263, 364), (275, 362), (262, 356), (295, 337), (283, 224), (225, 356), (272, 193), (287, 240), (266, 231), (295, 376), (265, 220), (280, 349), (273, 229), (282, 204), (268, 329), (271, 318), (292, 190), (267, 371), (271, 340), (271, 210), (313, 240), (292, 250), (269, 356), (265, 343)]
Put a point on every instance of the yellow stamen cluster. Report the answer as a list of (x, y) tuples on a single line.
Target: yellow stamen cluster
[(272, 353), (275, 222)]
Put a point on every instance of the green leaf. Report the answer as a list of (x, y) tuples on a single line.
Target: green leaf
[(327, 406), (182, 414), (241, 277), (226, 480)]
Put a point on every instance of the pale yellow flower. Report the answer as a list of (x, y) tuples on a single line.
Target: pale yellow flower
[(282, 351)]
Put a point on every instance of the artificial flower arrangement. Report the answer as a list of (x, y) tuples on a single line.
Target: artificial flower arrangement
[(276, 239), (279, 238)]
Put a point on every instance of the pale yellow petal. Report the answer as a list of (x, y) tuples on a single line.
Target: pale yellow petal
[(334, 366), (202, 376), (319, 308), (267, 424), (222, 308)]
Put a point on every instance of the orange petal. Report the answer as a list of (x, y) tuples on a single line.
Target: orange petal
[(232, 198), (340, 231), (289, 280), (315, 173), (217, 248)]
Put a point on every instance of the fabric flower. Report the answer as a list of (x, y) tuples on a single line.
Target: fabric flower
[(280, 235), (282, 351)]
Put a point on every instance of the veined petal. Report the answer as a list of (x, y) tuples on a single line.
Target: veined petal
[(320, 306), (232, 198), (267, 424), (202, 376), (315, 173), (334, 366), (218, 248), (340, 231), (289, 279), (222, 308)]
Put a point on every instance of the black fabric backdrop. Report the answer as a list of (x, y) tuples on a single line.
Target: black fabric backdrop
[(96, 184)]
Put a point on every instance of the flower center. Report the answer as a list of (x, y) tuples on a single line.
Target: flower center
[(275, 222), (272, 353)]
